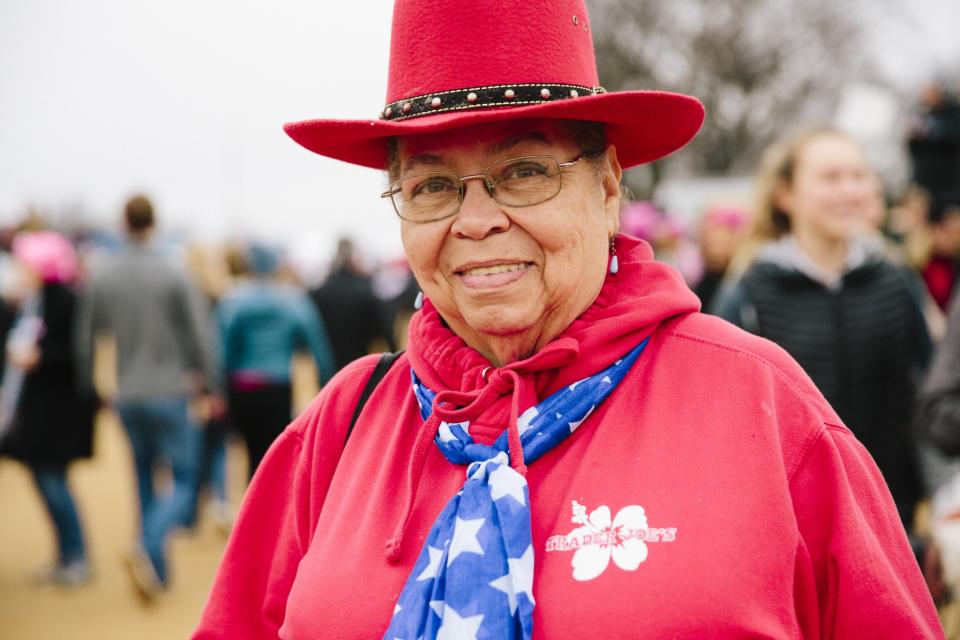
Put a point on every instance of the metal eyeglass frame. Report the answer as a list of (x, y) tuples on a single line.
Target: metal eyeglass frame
[(487, 183)]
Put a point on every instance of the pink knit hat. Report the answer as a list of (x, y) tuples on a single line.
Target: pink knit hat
[(48, 253)]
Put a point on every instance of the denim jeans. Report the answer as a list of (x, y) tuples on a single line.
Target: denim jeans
[(211, 469), (51, 481), (161, 433)]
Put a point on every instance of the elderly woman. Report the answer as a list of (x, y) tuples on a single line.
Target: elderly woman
[(567, 449)]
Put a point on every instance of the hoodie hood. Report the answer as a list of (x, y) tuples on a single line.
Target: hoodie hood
[(630, 306)]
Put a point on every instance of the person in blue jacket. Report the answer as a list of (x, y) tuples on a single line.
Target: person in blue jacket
[(263, 322)]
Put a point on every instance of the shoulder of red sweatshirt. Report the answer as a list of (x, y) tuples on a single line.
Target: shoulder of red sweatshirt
[(783, 526)]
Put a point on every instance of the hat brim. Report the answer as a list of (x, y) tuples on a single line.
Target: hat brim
[(643, 125)]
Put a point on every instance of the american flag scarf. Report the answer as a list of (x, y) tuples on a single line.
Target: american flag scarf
[(474, 576)]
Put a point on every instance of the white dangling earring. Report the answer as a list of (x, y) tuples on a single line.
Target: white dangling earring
[(614, 262), (418, 303)]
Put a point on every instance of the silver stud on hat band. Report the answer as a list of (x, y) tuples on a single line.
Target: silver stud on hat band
[(500, 95)]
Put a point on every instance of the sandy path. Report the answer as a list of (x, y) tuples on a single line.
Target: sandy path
[(107, 607)]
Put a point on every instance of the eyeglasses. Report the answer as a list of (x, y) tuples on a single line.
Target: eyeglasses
[(518, 182)]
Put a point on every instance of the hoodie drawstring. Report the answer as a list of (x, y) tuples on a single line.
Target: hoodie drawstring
[(472, 404), (414, 468)]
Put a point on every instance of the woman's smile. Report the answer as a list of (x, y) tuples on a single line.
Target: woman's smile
[(490, 275)]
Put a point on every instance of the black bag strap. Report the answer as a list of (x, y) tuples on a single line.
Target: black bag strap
[(383, 365)]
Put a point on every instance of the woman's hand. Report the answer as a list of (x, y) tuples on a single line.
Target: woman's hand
[(24, 358)]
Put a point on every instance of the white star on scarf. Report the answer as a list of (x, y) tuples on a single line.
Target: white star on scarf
[(504, 481), (523, 422), (465, 538), (453, 627), (521, 569), (577, 423), (446, 435), (505, 584), (433, 567)]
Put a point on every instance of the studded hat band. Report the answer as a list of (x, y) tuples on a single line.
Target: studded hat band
[(491, 96)]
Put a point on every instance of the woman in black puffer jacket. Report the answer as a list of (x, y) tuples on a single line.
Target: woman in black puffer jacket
[(821, 287)]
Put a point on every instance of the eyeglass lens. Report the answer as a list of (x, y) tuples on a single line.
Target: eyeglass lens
[(519, 182)]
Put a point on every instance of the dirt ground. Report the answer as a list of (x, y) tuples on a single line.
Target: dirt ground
[(105, 489), (107, 607)]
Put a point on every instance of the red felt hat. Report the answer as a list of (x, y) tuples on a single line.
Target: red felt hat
[(455, 63)]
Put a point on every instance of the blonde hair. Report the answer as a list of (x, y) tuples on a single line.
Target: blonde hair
[(776, 170)]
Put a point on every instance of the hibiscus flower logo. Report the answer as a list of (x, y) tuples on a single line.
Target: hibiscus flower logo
[(599, 539)]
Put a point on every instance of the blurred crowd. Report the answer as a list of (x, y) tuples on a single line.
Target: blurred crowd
[(204, 340), (856, 281)]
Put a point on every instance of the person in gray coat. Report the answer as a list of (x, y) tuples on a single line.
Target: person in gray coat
[(163, 358)]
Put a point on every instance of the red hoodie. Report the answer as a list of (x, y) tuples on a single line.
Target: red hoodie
[(758, 512)]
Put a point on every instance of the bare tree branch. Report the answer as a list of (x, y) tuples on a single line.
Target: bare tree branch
[(761, 67)]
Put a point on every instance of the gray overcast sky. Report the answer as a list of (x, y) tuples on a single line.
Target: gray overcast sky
[(184, 100)]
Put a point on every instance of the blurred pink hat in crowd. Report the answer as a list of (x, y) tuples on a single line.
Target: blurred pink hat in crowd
[(673, 227), (641, 219), (48, 253), (728, 215)]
